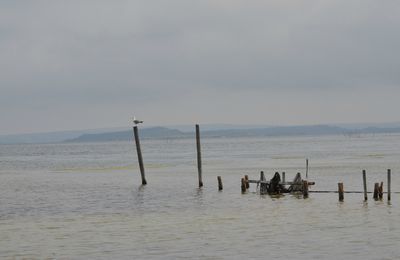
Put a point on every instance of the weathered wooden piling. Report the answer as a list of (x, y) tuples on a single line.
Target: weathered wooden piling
[(243, 185), (263, 186), (220, 187), (199, 168), (389, 181), (380, 191), (365, 185), (306, 168), (262, 176), (305, 189), (283, 177), (246, 178), (341, 191), (139, 154), (376, 190)]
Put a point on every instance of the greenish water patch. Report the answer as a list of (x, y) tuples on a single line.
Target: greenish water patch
[(283, 157), (376, 155), (112, 168)]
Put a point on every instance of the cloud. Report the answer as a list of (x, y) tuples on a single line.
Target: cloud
[(127, 55)]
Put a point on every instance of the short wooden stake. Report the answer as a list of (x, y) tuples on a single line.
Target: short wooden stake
[(199, 155), (388, 180), (305, 189), (246, 178), (380, 191), (139, 154), (283, 177), (220, 187), (365, 184), (243, 185), (341, 191), (376, 190), (262, 176), (263, 186)]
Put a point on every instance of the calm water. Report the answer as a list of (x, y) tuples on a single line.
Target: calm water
[(85, 200)]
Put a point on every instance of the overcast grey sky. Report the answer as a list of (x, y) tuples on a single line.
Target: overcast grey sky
[(92, 64)]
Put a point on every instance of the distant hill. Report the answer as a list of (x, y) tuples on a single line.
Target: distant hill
[(125, 133), (378, 130), (153, 132), (50, 137), (162, 132), (278, 131)]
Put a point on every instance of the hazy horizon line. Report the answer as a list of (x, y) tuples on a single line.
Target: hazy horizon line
[(250, 125)]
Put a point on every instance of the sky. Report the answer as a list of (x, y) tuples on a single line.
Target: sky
[(85, 64)]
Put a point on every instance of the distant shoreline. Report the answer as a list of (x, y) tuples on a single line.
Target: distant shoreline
[(170, 133)]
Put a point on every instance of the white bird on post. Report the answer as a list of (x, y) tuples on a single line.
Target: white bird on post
[(136, 122)]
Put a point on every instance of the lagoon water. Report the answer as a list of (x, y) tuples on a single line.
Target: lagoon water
[(84, 200)]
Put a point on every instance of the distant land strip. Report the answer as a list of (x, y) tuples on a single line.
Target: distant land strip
[(126, 134), (162, 133)]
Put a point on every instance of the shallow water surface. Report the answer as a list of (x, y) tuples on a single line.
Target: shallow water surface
[(85, 200)]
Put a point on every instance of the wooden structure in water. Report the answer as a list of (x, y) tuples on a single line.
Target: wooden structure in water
[(277, 186)]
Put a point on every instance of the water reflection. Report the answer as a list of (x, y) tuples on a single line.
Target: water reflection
[(198, 197), (69, 214)]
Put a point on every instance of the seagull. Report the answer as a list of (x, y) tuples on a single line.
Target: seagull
[(136, 122)]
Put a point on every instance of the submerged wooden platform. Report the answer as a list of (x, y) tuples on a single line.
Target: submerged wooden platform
[(276, 185)]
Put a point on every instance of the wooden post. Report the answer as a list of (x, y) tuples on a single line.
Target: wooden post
[(307, 169), (283, 177), (376, 190), (263, 186), (199, 155), (262, 176), (243, 185), (139, 154), (305, 189), (340, 191), (380, 191), (388, 180), (220, 187), (365, 184), (246, 178)]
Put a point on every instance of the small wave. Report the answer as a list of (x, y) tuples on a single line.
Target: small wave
[(110, 168), (377, 155), (286, 157)]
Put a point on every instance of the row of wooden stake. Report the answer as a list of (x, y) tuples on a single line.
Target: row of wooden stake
[(378, 189), (199, 166), (377, 194)]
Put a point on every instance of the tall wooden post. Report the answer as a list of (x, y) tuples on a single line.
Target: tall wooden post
[(340, 191), (139, 154), (307, 169), (199, 155), (388, 180), (365, 184)]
